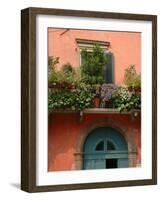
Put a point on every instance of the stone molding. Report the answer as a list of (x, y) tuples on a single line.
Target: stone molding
[(121, 128)]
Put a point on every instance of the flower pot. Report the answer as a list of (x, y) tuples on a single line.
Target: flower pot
[(97, 102)]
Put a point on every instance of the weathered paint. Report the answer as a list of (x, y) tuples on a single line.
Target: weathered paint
[(64, 134)]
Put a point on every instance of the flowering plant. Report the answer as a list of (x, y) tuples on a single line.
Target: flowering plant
[(78, 99), (107, 90), (123, 99), (132, 79)]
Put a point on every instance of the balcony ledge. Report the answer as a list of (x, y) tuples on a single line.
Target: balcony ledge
[(96, 111)]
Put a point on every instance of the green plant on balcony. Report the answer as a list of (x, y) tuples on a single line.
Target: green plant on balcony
[(125, 100), (52, 62), (65, 78), (84, 97), (92, 65), (132, 79), (77, 99), (95, 90), (81, 88)]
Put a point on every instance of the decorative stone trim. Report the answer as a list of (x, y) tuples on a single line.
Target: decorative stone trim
[(121, 128)]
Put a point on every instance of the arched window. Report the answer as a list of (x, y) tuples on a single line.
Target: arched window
[(110, 146), (100, 146)]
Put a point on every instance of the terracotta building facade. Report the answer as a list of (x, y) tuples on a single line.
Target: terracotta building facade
[(125, 46), (104, 138)]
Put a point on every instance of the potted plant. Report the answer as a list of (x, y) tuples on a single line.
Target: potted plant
[(65, 78), (97, 97), (78, 99), (52, 75), (137, 84), (132, 79), (123, 99), (107, 89)]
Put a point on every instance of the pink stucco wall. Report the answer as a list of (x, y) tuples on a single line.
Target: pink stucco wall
[(126, 47)]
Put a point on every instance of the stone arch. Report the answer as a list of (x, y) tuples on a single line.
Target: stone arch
[(123, 130)]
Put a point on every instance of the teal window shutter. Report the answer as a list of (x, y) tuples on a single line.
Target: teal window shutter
[(109, 68)]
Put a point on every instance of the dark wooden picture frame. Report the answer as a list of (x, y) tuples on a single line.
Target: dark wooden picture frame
[(28, 98)]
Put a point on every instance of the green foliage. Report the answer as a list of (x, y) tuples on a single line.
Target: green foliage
[(131, 78), (92, 65), (68, 69), (92, 79), (137, 81), (84, 97), (60, 100), (67, 92), (68, 73), (52, 61), (66, 76), (123, 99), (95, 89), (78, 99), (52, 75), (76, 88)]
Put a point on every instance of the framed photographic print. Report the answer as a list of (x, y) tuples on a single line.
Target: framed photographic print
[(89, 99)]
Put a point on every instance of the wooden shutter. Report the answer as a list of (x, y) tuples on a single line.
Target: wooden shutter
[(109, 68)]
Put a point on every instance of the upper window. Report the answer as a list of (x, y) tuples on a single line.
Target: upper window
[(89, 44), (108, 69)]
